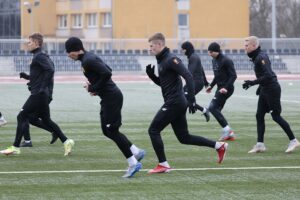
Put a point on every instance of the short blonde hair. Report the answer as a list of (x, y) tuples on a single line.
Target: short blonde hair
[(253, 40), (158, 37), (39, 38)]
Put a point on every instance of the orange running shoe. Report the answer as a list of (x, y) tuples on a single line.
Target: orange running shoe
[(222, 152), (159, 169)]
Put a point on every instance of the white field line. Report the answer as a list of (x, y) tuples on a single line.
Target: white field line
[(145, 170)]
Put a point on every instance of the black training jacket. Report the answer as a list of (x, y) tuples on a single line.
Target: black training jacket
[(196, 68), (262, 67), (41, 73), (98, 74), (224, 72), (170, 70)]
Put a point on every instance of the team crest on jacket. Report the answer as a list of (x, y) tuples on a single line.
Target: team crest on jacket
[(263, 62), (175, 60)]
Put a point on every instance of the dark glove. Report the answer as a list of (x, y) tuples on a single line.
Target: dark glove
[(150, 70), (24, 75), (50, 99), (206, 84), (192, 106), (29, 87), (258, 90), (247, 84)]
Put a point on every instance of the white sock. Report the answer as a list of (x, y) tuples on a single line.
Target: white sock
[(204, 110), (132, 161), (260, 144), (227, 128), (165, 164), (218, 145), (27, 141), (66, 141), (294, 140), (134, 150)]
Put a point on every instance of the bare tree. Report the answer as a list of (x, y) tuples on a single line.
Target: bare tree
[(287, 18)]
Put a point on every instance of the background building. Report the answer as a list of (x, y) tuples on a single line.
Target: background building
[(10, 19), (119, 19)]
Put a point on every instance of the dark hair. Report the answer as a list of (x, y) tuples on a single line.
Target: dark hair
[(73, 44)]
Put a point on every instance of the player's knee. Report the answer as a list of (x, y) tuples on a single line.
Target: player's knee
[(212, 108), (184, 140), (153, 132), (276, 117), (259, 116), (21, 116), (110, 131)]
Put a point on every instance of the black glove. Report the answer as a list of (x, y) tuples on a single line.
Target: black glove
[(192, 106), (24, 75), (258, 90), (50, 99), (248, 84), (29, 87), (206, 84), (150, 70)]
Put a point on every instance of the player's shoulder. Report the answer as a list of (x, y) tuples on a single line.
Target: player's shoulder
[(194, 56), (261, 57), (89, 57), (173, 59)]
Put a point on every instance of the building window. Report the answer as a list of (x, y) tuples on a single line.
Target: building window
[(92, 20), (77, 21), (106, 20), (62, 21), (106, 4), (183, 4), (183, 20)]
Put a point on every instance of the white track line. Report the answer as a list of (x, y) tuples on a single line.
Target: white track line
[(175, 169)]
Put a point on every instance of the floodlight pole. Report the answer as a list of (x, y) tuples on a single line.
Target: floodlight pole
[(30, 7), (274, 24)]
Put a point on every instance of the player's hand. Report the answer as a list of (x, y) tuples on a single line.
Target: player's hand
[(150, 70), (208, 89), (192, 105), (86, 85), (223, 91), (24, 75), (50, 99), (247, 84), (258, 91), (206, 85)]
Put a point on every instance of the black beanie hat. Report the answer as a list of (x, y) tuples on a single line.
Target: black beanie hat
[(188, 47), (215, 47), (73, 44)]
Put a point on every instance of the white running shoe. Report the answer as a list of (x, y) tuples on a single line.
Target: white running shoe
[(11, 151), (258, 148), (292, 146), (2, 121), (68, 146), (132, 170)]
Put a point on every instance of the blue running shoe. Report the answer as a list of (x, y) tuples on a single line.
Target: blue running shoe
[(132, 170), (140, 155)]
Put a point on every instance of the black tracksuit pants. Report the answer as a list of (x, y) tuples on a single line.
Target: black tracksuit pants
[(36, 104), (35, 121), (269, 102), (175, 115), (217, 104), (111, 120)]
